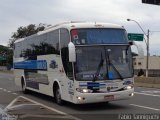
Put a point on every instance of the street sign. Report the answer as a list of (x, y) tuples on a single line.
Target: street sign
[(135, 37), (154, 2)]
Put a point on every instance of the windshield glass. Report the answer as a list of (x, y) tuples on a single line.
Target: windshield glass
[(98, 36), (103, 62)]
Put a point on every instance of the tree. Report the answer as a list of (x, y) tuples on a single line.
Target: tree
[(23, 32), (7, 55)]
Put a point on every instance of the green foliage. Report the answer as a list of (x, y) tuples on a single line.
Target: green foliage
[(7, 55), (26, 31), (41, 49), (3, 48), (23, 32)]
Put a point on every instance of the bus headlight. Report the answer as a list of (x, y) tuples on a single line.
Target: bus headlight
[(128, 87), (82, 90)]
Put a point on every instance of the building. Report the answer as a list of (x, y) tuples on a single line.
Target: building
[(153, 65)]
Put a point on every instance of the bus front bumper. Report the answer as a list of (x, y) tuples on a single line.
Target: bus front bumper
[(82, 98)]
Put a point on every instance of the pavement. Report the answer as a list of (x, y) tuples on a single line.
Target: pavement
[(26, 109), (15, 106), (23, 108), (14, 102)]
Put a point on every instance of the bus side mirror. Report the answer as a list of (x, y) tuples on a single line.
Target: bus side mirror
[(72, 52), (138, 48), (131, 43)]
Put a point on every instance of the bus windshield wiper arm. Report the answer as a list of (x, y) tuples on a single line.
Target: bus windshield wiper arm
[(116, 70), (111, 64), (98, 69)]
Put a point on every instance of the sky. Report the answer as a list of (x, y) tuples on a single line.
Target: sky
[(16, 13)]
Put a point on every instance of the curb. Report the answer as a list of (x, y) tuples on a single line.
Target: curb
[(6, 71)]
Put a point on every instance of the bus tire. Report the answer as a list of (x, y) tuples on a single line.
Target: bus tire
[(57, 96), (23, 85)]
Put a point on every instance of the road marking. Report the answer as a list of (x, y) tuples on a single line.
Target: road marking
[(147, 94), (14, 93), (145, 107), (8, 91), (50, 108), (43, 105), (152, 91), (5, 116)]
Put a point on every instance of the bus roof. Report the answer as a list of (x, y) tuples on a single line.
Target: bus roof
[(75, 25)]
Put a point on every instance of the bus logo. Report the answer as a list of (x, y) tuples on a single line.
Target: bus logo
[(53, 64)]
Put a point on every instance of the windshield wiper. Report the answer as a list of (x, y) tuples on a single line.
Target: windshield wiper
[(116, 70), (98, 69), (111, 64)]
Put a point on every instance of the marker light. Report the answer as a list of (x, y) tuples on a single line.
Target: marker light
[(80, 98)]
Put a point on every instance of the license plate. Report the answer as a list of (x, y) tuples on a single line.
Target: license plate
[(109, 97)]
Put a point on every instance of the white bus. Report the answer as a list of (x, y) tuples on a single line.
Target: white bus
[(77, 62)]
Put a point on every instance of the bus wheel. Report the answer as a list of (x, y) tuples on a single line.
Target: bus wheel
[(24, 90), (57, 96)]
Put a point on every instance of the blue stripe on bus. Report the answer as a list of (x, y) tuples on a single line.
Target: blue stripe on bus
[(92, 85), (31, 64)]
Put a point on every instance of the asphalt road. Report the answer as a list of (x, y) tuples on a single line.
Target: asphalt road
[(146, 101)]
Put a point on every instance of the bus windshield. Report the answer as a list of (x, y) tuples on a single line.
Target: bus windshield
[(98, 36), (103, 62)]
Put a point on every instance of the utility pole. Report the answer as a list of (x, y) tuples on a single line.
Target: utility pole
[(147, 59), (147, 44)]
